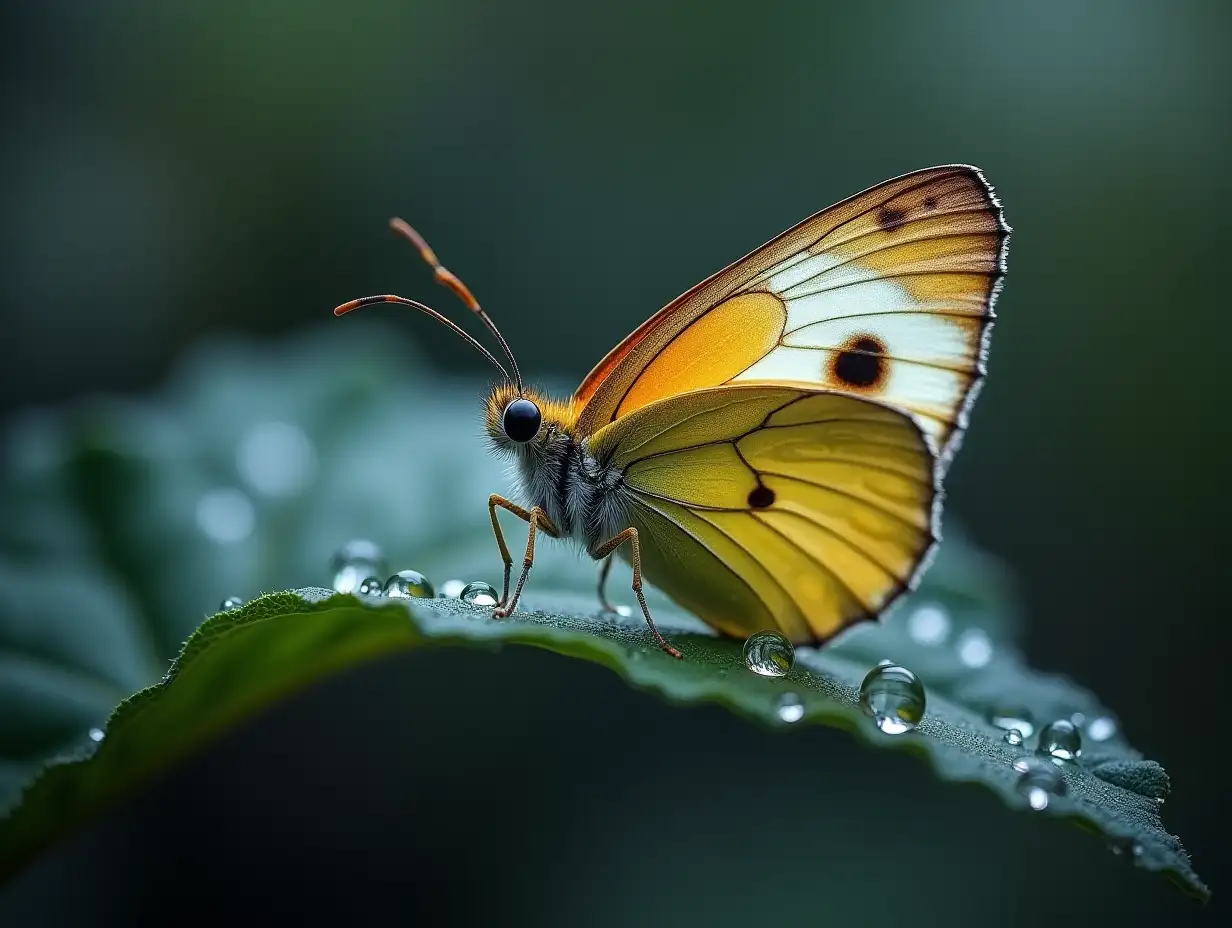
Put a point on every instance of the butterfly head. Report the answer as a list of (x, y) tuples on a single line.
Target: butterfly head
[(524, 419)]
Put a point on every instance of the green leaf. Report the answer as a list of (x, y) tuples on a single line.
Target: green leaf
[(238, 661), (127, 523)]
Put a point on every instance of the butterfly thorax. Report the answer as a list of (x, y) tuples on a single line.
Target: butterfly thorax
[(584, 497)]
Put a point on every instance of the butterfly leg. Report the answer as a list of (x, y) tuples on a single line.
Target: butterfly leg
[(536, 518), (605, 550), (604, 569)]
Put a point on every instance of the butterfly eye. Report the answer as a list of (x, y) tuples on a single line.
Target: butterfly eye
[(521, 420)]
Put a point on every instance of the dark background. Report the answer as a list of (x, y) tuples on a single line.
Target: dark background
[(173, 170)]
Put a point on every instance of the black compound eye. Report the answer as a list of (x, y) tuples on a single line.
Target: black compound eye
[(521, 420)]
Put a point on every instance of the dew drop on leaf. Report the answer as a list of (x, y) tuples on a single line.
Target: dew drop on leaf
[(929, 624), (96, 734), (409, 584), (1013, 737), (354, 561), (1039, 781), (231, 602), (789, 708), (768, 653), (894, 697), (1060, 739), (1008, 717), (371, 586), (479, 593), (451, 589)]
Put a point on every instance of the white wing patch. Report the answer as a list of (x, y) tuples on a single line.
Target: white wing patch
[(895, 308)]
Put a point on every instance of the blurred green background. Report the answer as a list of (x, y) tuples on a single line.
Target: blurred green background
[(172, 172)]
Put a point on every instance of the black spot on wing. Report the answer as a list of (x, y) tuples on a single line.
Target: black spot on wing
[(891, 217), (860, 363), (761, 497)]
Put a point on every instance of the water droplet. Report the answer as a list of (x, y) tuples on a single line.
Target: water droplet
[(479, 594), (1101, 728), (96, 734), (1008, 717), (225, 515), (974, 648), (624, 611), (371, 586), (769, 654), (789, 708), (231, 602), (894, 697), (354, 562), (1120, 846), (408, 584), (1039, 782), (1013, 737), (929, 624), (276, 458), (1060, 739), (885, 662), (451, 589)]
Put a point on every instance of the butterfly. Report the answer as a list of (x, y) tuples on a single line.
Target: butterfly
[(768, 449)]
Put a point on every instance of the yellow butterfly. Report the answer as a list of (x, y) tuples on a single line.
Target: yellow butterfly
[(768, 448)]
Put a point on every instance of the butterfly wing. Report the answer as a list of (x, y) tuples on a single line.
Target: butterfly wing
[(888, 295), (776, 507)]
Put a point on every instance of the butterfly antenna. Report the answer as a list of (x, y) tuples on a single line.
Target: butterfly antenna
[(452, 326), (452, 281)]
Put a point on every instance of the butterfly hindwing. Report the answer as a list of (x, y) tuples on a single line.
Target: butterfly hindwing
[(776, 507), (888, 295)]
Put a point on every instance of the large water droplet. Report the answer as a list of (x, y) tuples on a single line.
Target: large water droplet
[(276, 458), (96, 734), (231, 602), (1101, 728), (409, 584), (1013, 737), (451, 589), (974, 648), (790, 708), (371, 586), (769, 654), (1060, 739), (929, 624), (1008, 717), (354, 562), (479, 594), (894, 697), (1039, 782)]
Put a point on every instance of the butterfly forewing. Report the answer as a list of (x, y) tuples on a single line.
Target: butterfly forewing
[(776, 507), (887, 295)]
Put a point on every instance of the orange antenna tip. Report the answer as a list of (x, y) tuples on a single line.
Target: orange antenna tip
[(366, 301), (404, 228)]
